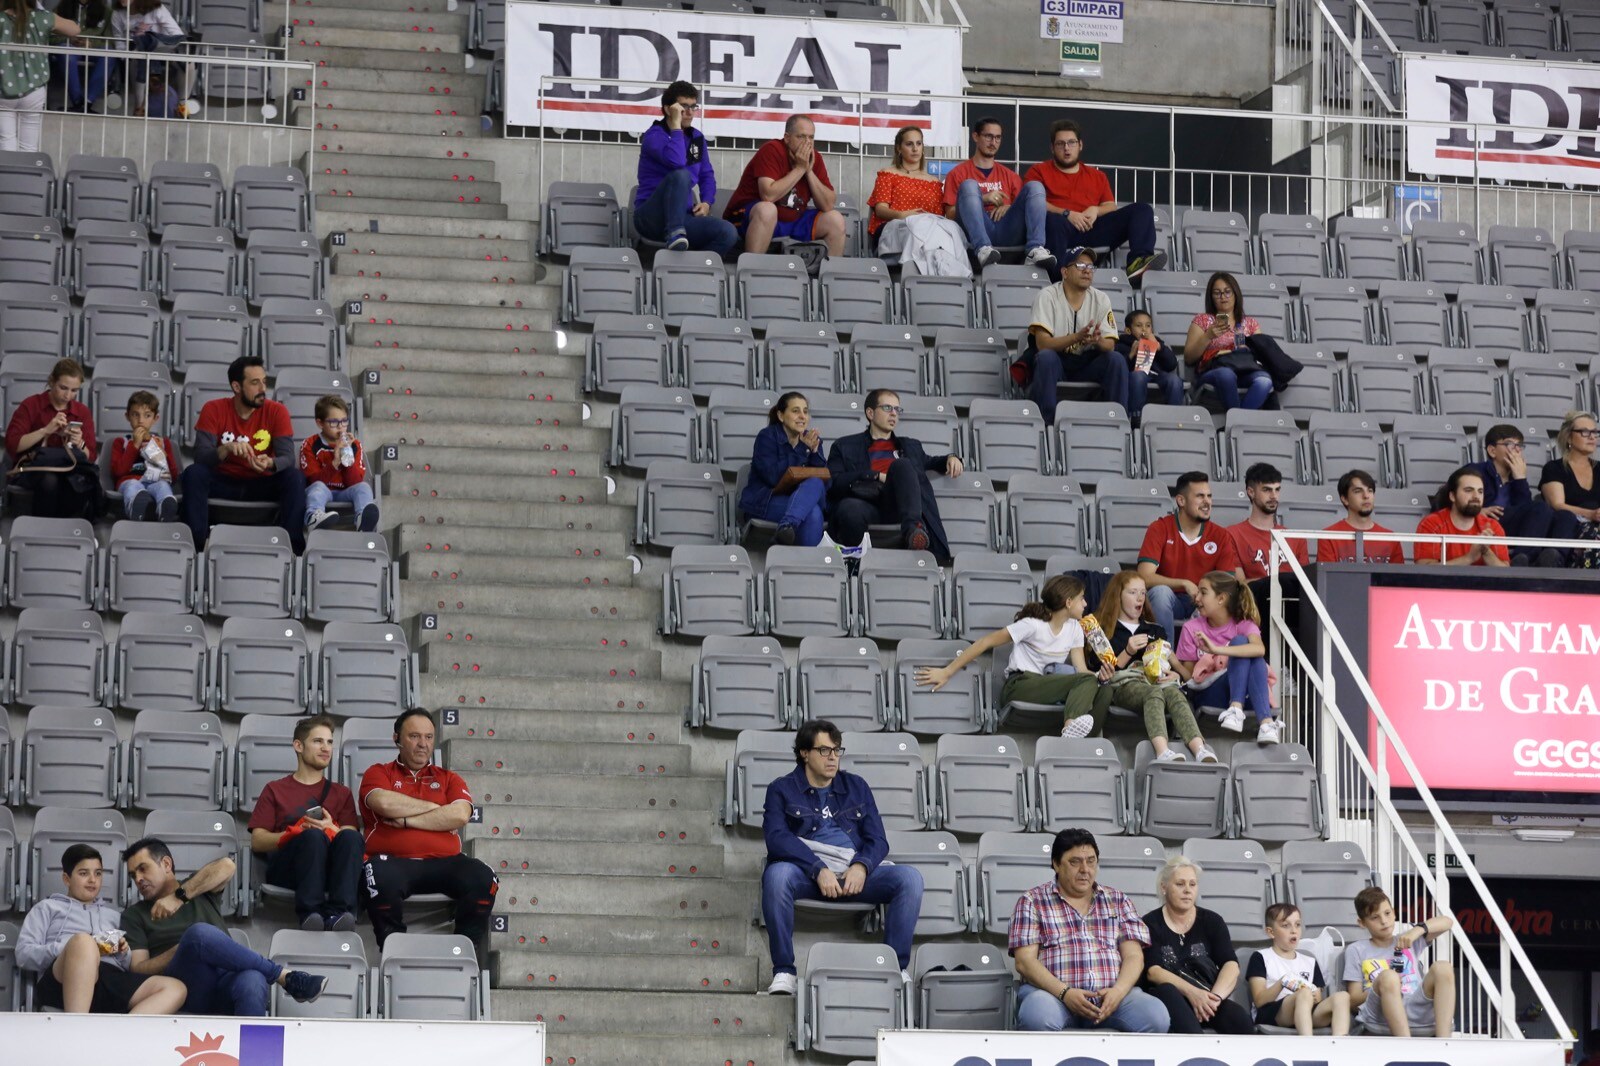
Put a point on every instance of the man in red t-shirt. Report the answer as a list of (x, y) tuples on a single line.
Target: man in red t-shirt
[(1252, 538), (244, 450), (318, 857), (1181, 548), (1462, 518), (784, 192), (413, 812), (1082, 210), (992, 204), (1358, 492)]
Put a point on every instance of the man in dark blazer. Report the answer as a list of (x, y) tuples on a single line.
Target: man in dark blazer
[(878, 477)]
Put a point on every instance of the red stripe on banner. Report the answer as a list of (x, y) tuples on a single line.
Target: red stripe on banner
[(744, 114), (1515, 157)]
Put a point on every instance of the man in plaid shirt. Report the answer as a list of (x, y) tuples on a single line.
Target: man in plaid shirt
[(1079, 948)]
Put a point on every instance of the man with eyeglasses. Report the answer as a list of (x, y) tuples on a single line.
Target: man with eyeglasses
[(879, 476), (992, 204), (1507, 498), (825, 840), (335, 466), (1082, 210), (1073, 335), (677, 184)]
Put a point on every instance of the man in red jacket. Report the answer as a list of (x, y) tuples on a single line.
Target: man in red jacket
[(335, 466), (244, 450)]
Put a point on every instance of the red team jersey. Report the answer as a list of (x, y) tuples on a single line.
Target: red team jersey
[(1439, 522), (772, 161), (1072, 192), (1000, 178), (1254, 548), (1344, 551), (1179, 560)]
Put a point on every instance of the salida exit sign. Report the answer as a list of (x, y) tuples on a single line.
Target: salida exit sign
[(1080, 51)]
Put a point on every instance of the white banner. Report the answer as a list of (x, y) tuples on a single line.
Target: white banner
[(185, 1040), (1460, 91), (924, 1048), (810, 66)]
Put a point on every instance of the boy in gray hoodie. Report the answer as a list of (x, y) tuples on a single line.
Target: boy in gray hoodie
[(72, 940)]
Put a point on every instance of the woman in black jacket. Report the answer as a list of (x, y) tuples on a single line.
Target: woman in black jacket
[(1190, 963)]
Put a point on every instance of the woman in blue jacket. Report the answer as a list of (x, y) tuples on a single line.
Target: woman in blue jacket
[(787, 441)]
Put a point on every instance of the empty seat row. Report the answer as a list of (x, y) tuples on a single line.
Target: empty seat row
[(109, 189)]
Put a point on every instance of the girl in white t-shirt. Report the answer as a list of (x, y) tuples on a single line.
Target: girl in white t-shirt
[(1046, 639), (1286, 984)]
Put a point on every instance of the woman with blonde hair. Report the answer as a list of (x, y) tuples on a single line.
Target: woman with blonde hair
[(1568, 481), (907, 212), (1189, 964)]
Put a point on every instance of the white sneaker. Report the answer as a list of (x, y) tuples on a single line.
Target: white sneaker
[(1205, 754), (1040, 256), (1270, 731), (1233, 719), (1172, 755), (986, 255), (783, 984), (1079, 727), (319, 519)]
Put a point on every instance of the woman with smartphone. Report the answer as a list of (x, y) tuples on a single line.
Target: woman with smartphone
[(1217, 348), (52, 447)]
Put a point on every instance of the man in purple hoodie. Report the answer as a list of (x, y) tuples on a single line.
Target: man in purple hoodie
[(677, 184)]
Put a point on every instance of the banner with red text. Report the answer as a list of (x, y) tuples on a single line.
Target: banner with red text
[(1489, 690), (1477, 101), (811, 66)]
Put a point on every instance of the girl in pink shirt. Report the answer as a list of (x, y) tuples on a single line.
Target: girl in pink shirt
[(1226, 623)]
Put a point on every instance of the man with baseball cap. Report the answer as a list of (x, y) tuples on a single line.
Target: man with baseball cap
[(1074, 332)]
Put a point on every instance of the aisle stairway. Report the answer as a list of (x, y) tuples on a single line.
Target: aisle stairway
[(627, 933)]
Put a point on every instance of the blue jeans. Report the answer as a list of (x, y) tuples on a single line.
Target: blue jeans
[(158, 490), (1109, 370), (1257, 385), (1139, 1012), (318, 496), (665, 216), (802, 510), (783, 882), (222, 977), (1246, 684), (1023, 223), (1170, 607), (1169, 384), (81, 89), (1131, 224)]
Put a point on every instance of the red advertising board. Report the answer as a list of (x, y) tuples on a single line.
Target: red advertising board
[(1489, 690)]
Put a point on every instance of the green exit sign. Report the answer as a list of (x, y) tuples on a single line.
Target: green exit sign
[(1080, 51)]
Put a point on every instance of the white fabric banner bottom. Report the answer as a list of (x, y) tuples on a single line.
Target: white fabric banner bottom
[(905, 1047), (188, 1040)]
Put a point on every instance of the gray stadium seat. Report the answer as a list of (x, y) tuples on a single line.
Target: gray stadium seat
[(733, 418), (299, 389), (278, 264), (120, 325), (300, 333), (1277, 793), (1568, 322), (1523, 257), (57, 828), (602, 280), (1230, 505), (986, 589), (27, 184), (1321, 878), (1238, 884), (249, 572), (628, 350), (759, 758), (1413, 314), (1398, 507), (1459, 25), (681, 503), (848, 993), (184, 194), (937, 856), (12, 979), (1369, 249), (271, 198), (968, 364), (980, 784), (739, 683), (241, 81), (70, 758), (1384, 381), (339, 957), (366, 670), (1130, 865), (1293, 246), (1173, 298), (713, 352), (1446, 253), (1313, 506), (1426, 449), (1339, 442), (101, 188), (807, 592), (855, 291), (1465, 385), (110, 255), (1044, 513), (58, 657), (364, 742), (1261, 436), (1093, 440), (772, 287), (934, 302), (1334, 311), (349, 577), (652, 423), (1177, 800), (689, 284), (1080, 782), (9, 860), (1492, 317), (199, 837), (970, 512), (1007, 293), (890, 357), (208, 330), (1175, 440), (37, 320), (1267, 300), (891, 764), (1008, 865), (901, 594), (117, 379), (176, 761), (51, 562), (843, 680), (805, 356), (958, 707), (32, 251), (1544, 387), (961, 986), (1215, 240), (263, 666), (1580, 249), (1126, 507), (197, 259), (933, 421), (1008, 438), (580, 215), (710, 589), (160, 663), (262, 752), (835, 415)]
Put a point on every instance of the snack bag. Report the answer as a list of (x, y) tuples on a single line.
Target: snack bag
[(1097, 641), (1144, 355), (1155, 660), (107, 941)]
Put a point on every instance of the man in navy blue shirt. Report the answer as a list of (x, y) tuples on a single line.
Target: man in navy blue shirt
[(1508, 500), (677, 184), (826, 841)]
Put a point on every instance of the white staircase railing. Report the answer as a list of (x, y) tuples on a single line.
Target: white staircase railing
[(1356, 788)]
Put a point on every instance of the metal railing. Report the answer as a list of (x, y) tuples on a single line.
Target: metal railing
[(1356, 788)]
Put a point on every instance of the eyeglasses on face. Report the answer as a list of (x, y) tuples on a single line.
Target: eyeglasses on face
[(1586, 433), (892, 409), (1514, 445), (1087, 268), (1215, 293), (1069, 143), (336, 421), (829, 753)]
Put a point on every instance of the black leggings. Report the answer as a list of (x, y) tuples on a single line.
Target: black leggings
[(464, 879), (1230, 1020)]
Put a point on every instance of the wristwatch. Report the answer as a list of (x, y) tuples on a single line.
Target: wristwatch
[(183, 897)]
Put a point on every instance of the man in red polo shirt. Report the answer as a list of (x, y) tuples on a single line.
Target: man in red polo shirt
[(1462, 517), (784, 192), (1181, 548), (413, 812), (1080, 209)]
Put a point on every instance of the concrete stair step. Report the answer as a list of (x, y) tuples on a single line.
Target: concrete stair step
[(578, 792), (501, 661), (408, 293), (302, 50), (433, 83), (400, 249), (368, 187), (331, 101), (472, 321), (633, 604), (373, 205), (498, 519), (481, 270), (330, 145), (307, 6), (621, 699), (637, 760), (314, 21), (429, 360), (475, 543), (400, 166), (524, 339), (597, 893), (308, 41), (351, 120), (633, 973), (724, 1016), (536, 547), (438, 460), (583, 727), (339, 219), (423, 411), (658, 1049), (576, 857), (617, 934), (447, 569), (651, 828), (404, 486), (468, 381)]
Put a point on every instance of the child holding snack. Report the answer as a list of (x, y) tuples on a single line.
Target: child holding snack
[(336, 468), (144, 465), (1286, 984), (1047, 638), (1226, 624), (1150, 362)]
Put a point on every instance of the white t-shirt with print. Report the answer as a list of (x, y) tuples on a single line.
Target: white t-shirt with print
[(1034, 647)]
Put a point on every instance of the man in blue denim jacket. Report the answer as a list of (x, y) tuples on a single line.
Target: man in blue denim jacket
[(826, 841)]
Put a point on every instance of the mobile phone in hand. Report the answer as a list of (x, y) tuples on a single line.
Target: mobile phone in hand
[(316, 814)]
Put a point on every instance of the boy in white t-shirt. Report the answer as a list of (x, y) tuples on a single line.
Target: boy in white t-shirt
[(1286, 984), (1385, 976), (1047, 663)]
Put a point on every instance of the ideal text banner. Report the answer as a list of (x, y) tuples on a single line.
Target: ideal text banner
[(1488, 690), (1476, 103), (810, 66), (898, 1047)]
